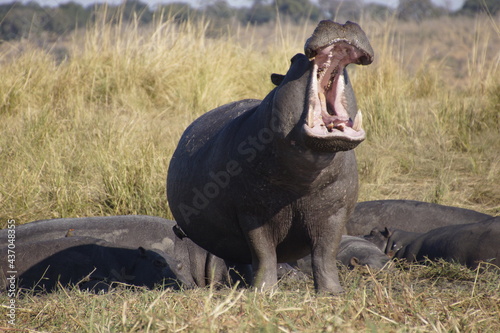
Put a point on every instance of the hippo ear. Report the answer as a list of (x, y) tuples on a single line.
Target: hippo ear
[(295, 57), (374, 232), (354, 262), (142, 251), (387, 232), (276, 79), (179, 232)]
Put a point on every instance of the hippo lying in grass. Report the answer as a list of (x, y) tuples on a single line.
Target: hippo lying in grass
[(353, 251), (89, 262), (356, 251), (195, 265), (271, 181), (410, 215), (467, 244)]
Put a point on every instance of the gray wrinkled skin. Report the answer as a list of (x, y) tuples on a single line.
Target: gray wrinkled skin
[(259, 182), (409, 215), (195, 266), (92, 263), (467, 244), (353, 251)]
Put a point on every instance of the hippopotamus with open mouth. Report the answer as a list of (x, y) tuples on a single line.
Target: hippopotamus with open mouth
[(271, 181)]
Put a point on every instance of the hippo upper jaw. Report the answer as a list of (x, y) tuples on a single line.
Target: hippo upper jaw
[(331, 123)]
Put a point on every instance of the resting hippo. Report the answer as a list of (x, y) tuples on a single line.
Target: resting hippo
[(94, 262), (467, 244), (154, 233), (353, 251), (271, 181), (415, 216)]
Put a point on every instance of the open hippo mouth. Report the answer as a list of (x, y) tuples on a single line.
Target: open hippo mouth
[(328, 126)]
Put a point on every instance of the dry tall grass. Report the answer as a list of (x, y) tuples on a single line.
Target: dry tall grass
[(433, 110), (93, 134)]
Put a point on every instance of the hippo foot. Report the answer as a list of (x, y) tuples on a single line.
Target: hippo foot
[(326, 281), (268, 283), (332, 290)]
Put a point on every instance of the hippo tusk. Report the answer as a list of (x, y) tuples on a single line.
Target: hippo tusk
[(313, 100), (322, 100), (358, 121), (310, 116)]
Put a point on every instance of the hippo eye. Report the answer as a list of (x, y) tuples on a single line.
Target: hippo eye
[(159, 263)]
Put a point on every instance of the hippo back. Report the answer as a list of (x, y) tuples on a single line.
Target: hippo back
[(467, 244), (129, 230), (409, 215)]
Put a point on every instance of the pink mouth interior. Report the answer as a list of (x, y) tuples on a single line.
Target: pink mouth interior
[(327, 111)]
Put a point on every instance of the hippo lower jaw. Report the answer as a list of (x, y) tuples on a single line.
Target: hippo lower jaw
[(328, 126)]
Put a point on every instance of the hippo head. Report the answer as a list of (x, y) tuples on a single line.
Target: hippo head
[(329, 119), (391, 241)]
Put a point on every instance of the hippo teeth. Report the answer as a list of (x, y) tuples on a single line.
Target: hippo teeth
[(336, 123), (332, 126)]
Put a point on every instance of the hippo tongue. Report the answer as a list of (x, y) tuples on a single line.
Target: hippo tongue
[(331, 120)]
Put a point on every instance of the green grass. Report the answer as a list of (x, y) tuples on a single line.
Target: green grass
[(93, 134)]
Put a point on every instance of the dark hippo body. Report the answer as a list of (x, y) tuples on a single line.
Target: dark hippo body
[(196, 265), (409, 215), (353, 251), (270, 181), (467, 244), (93, 262)]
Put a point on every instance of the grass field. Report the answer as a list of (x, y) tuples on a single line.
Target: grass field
[(89, 125)]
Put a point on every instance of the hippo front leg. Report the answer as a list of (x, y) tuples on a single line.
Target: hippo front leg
[(323, 258), (264, 259), (324, 266)]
